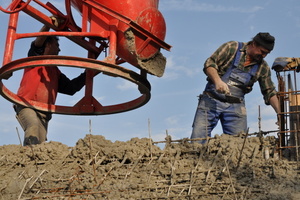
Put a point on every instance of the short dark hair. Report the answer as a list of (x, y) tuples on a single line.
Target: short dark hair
[(50, 38), (41, 50)]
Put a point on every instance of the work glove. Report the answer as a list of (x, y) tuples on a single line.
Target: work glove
[(280, 63), (57, 22), (294, 63)]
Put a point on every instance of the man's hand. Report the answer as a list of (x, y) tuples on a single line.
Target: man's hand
[(222, 87)]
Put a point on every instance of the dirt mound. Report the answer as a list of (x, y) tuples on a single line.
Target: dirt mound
[(226, 167)]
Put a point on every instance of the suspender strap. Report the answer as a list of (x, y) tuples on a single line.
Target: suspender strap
[(237, 55), (235, 62)]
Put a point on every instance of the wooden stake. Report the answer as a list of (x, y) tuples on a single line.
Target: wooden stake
[(27, 181), (90, 126), (93, 163), (241, 152), (19, 136), (37, 178), (226, 163), (150, 140)]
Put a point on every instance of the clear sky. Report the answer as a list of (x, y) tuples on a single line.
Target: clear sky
[(194, 29)]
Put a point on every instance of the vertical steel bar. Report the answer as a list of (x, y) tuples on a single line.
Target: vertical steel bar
[(112, 41), (89, 82), (281, 117), (297, 122), (10, 38), (85, 14)]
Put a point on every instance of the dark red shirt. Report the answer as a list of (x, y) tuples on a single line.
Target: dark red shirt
[(40, 84), (43, 83)]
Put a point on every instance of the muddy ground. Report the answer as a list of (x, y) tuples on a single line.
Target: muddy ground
[(226, 167)]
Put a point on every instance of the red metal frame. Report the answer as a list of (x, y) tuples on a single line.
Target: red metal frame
[(88, 105), (15, 6), (94, 42)]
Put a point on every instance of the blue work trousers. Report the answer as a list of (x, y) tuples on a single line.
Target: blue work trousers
[(209, 111)]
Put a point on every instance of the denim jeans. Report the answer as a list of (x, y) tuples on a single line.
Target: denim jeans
[(233, 117), (34, 124)]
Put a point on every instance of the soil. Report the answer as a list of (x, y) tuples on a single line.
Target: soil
[(226, 167)]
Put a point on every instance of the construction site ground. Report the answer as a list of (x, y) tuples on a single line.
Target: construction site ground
[(226, 167)]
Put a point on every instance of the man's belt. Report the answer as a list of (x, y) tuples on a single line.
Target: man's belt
[(228, 98)]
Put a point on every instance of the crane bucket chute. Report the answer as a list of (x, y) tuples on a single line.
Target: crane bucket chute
[(126, 31)]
